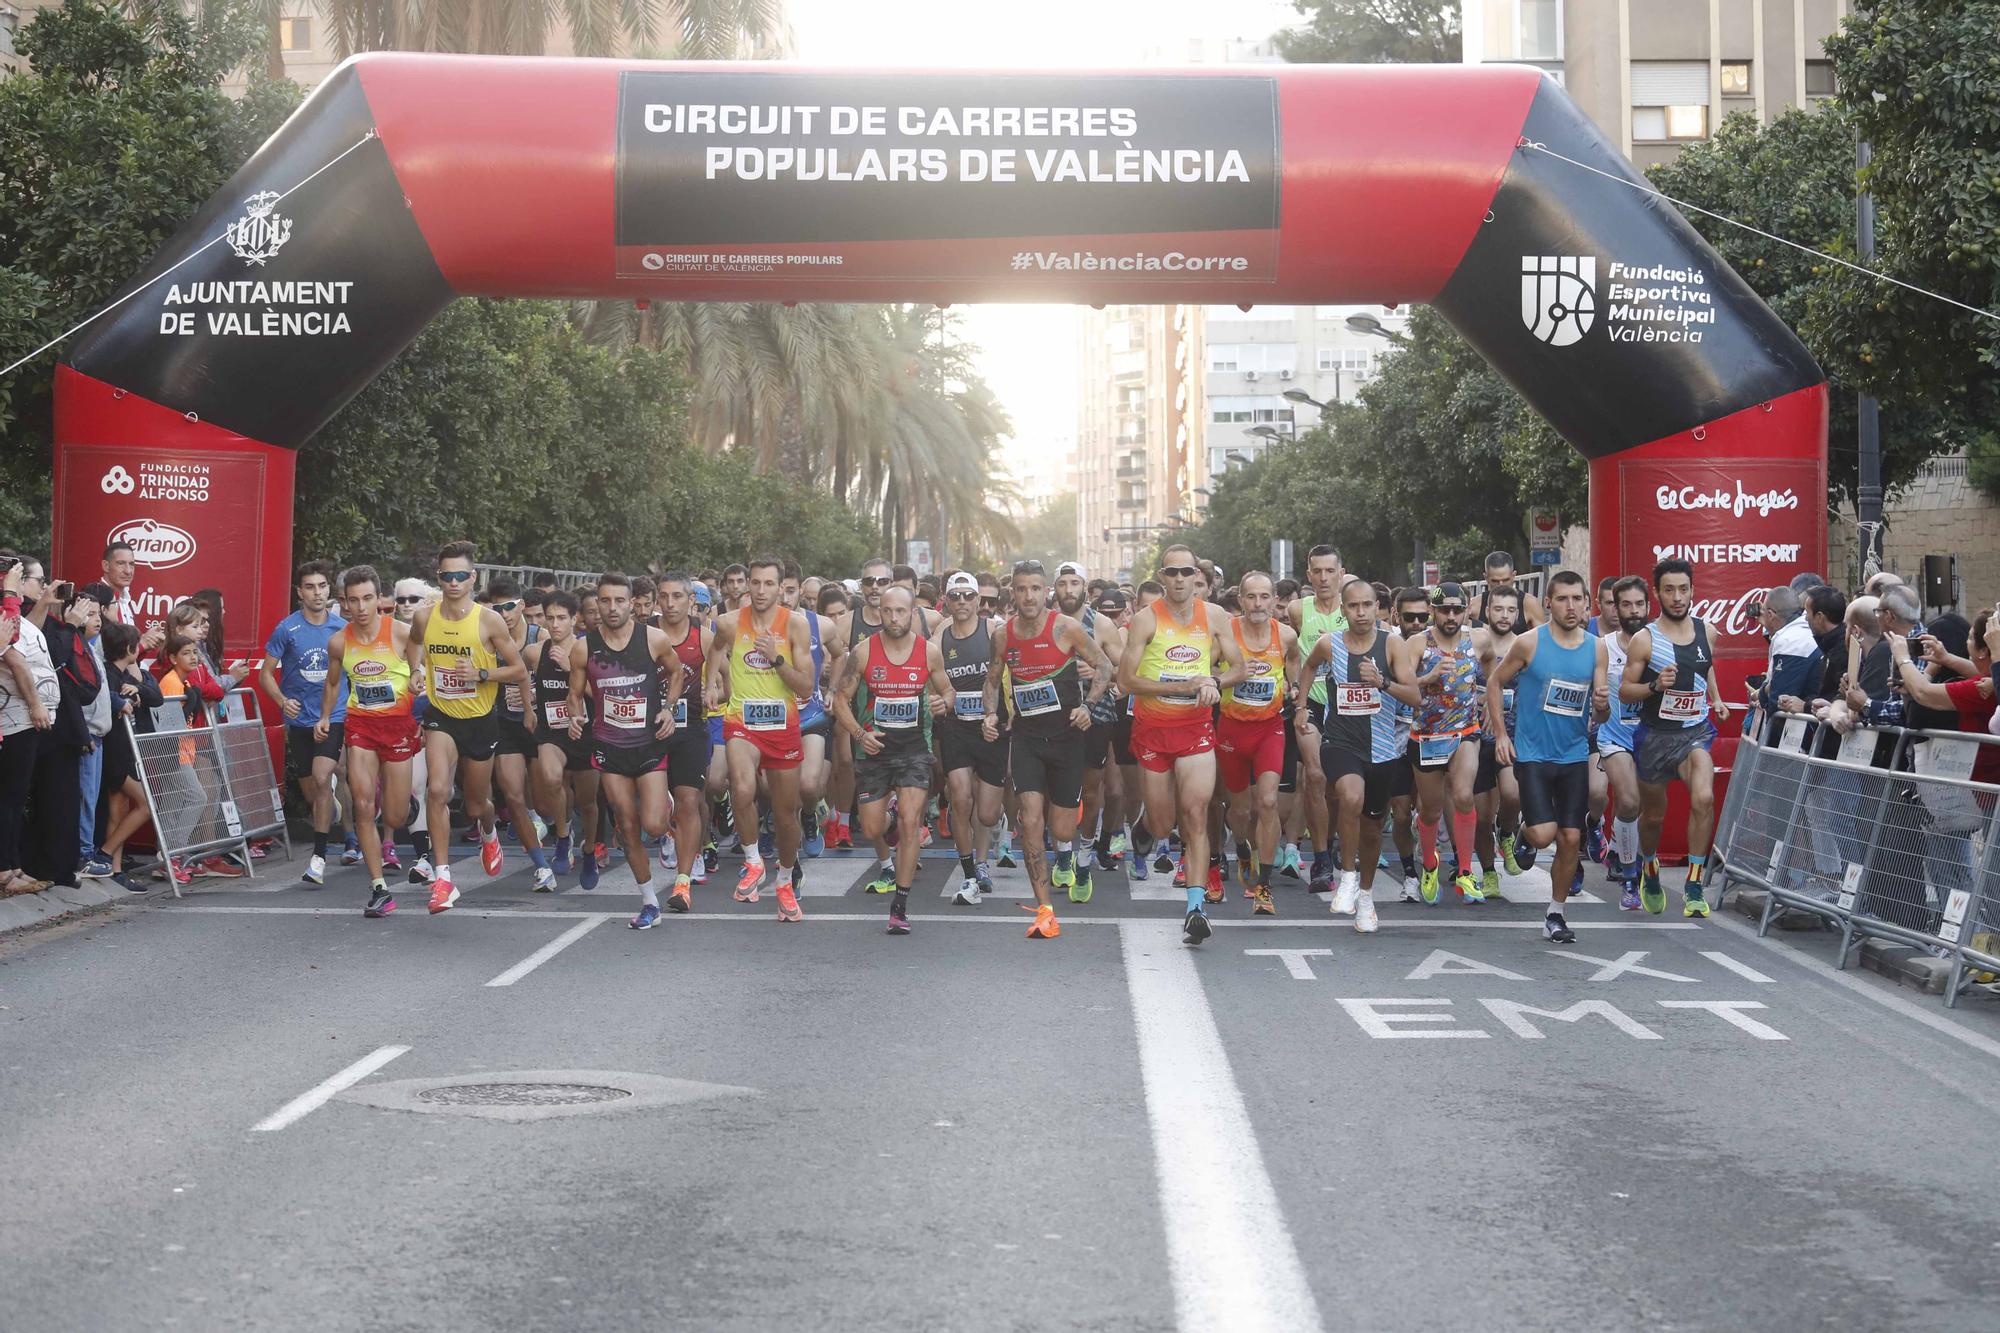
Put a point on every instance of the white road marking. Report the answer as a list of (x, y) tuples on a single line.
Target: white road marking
[(1371, 1019), (825, 881), (1444, 963), (1293, 959), (1731, 1012), (1012, 884), (548, 951), (1626, 964), (305, 1104), (1229, 1252), (1743, 970), (1515, 1016)]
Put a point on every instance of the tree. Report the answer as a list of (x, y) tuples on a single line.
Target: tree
[(1373, 32), (1050, 534)]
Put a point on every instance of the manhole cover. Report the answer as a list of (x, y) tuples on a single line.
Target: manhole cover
[(520, 1094)]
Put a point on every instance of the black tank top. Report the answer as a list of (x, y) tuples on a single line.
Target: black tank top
[(627, 685), (551, 684), (967, 661), (1693, 661)]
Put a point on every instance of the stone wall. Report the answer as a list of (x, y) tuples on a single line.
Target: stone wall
[(1940, 513)]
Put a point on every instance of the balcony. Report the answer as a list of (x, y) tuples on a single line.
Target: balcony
[(1134, 500), (1130, 471)]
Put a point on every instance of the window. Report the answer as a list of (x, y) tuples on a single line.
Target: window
[(1735, 78), (1252, 356), (1819, 79), (295, 34), (1669, 99), (1541, 30), (1221, 356)]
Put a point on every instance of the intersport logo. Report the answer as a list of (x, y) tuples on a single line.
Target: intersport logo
[(154, 544)]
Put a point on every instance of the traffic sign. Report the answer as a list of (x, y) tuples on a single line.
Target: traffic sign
[(1544, 537), (918, 553)]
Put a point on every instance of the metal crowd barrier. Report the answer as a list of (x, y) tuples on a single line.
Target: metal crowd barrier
[(1883, 836), (210, 788)]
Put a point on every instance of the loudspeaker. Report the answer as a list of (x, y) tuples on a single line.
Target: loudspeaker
[(1939, 572)]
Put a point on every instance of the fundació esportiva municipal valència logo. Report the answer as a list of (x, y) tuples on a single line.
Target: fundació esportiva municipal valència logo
[(1559, 296), (260, 233)]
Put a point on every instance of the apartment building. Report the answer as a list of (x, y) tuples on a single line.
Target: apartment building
[(1138, 445)]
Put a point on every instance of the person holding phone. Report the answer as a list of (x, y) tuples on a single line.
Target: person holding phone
[(29, 697)]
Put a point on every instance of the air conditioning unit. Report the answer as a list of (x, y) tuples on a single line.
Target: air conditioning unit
[(1250, 375), (1284, 374)]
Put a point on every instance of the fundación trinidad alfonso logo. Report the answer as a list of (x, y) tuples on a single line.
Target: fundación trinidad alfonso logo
[(117, 481), (1559, 296), (260, 233), (154, 544)]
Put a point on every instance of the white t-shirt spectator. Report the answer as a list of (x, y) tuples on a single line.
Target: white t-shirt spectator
[(33, 647)]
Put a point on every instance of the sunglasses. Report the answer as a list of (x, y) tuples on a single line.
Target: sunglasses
[(1416, 616), (1449, 608), (1179, 571), (409, 601), (988, 602), (871, 581), (504, 607), (961, 596), (454, 575)]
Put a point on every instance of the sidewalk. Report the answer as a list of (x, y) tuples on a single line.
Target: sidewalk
[(22, 910)]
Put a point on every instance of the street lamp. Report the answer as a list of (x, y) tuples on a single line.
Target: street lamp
[(1373, 327), (1264, 433), (1301, 396)]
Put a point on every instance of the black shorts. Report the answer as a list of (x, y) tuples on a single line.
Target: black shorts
[(1288, 776), (1554, 793), (1121, 741), (1097, 745), (1657, 752), (688, 753), (576, 754), (120, 763), (964, 747), (1488, 776), (1338, 763), (516, 739), (877, 776), (301, 749), (630, 761), (476, 737), (1050, 765), (1403, 774), (1316, 713)]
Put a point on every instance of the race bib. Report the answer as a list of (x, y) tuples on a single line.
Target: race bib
[(1354, 700), (1177, 700), (1507, 699), (1436, 749), (515, 703), (898, 713), (557, 712), (1682, 706), (969, 705), (625, 711), (764, 715), (1565, 698), (1257, 690), (681, 711), (375, 694), (453, 682), (1036, 698)]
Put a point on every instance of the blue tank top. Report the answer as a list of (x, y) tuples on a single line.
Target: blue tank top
[(1686, 704), (812, 710), (1552, 694)]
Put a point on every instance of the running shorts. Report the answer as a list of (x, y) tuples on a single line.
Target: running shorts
[(1376, 779), (877, 776), (715, 730), (516, 739), (396, 740), (1245, 751), (576, 754), (963, 747), (1556, 794), (1049, 765), (1403, 773), (1488, 776), (301, 749), (476, 737), (778, 750), (630, 761), (1121, 741), (688, 753), (820, 725), (1288, 776), (1097, 745), (1658, 753), (1156, 748), (1615, 737), (1435, 752)]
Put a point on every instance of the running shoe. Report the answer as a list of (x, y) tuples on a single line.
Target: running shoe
[(490, 855), (750, 884), (561, 863), (350, 855), (1507, 853), (669, 859), (1120, 844), (1322, 879), (1063, 878), (968, 894), (602, 853), (982, 875), (1650, 892), (1180, 873), (682, 898), (1613, 867), (699, 872), (1246, 870), (1005, 858), (649, 916), (96, 867), (1141, 870), (815, 842), (1491, 886), (221, 867), (883, 882), (1468, 888), (1196, 928), (1629, 901), (1080, 891), (788, 903), (260, 848), (1364, 913), (1345, 896), (379, 904), (1165, 859), (898, 923), (1046, 927), (129, 884), (421, 871), (1290, 863), (586, 876), (545, 880), (1107, 860), (1262, 904), (443, 894), (1556, 931), (390, 861), (1692, 901), (541, 828), (1215, 892), (710, 858), (1409, 894), (1427, 887), (315, 870), (1593, 841), (1523, 859)]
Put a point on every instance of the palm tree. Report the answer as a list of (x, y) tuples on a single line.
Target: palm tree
[(685, 29)]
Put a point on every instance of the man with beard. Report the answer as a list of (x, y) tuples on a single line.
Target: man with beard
[(1099, 816), (1250, 734), (1314, 618), (688, 748), (1494, 794), (1443, 663), (975, 769), (1618, 737)]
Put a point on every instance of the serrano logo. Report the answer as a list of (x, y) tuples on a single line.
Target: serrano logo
[(117, 481), (1559, 296), (366, 668), (155, 544), (756, 661), (1183, 652)]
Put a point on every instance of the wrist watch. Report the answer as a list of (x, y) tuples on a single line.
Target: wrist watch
[(778, 661), (482, 675)]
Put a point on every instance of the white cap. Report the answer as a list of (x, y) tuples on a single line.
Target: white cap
[(961, 582), (1071, 567)]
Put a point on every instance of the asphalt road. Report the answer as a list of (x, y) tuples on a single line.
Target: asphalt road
[(1450, 1124)]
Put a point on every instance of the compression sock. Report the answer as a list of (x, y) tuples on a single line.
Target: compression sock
[(1194, 893), (319, 844), (965, 865), (1697, 865), (1625, 839), (420, 843), (1065, 855), (539, 856), (1462, 832), (1427, 842), (1263, 874)]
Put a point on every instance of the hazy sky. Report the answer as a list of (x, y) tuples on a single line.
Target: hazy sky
[(1028, 351)]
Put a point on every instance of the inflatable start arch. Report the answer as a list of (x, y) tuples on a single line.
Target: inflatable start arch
[(406, 181)]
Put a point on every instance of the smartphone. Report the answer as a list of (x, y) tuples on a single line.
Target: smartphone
[(65, 591), (7, 562)]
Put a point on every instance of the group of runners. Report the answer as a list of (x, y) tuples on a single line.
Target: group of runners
[(1077, 722)]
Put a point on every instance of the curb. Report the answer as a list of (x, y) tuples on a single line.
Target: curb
[(1907, 966), (1749, 902), (32, 909)]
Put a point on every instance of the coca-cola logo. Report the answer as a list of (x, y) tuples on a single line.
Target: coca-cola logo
[(154, 544), (1183, 652), (1727, 616), (1737, 501)]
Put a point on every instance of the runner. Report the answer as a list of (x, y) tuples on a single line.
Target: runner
[(1618, 737), (465, 654), (1107, 625), (1413, 617), (1495, 795), (1169, 665), (371, 653), (892, 673), (1073, 600), (767, 650), (1669, 673), (815, 723), (1037, 654), (1250, 734), (688, 749), (1500, 574), (975, 768), (1361, 751), (293, 676), (517, 743), (1558, 676), (1314, 618), (735, 585), (862, 618), (630, 678), (1443, 664), (565, 781)]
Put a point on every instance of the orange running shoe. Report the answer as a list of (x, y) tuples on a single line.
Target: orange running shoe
[(1046, 926), (682, 898), (443, 894), (490, 855), (1214, 892), (749, 886), (788, 903)]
